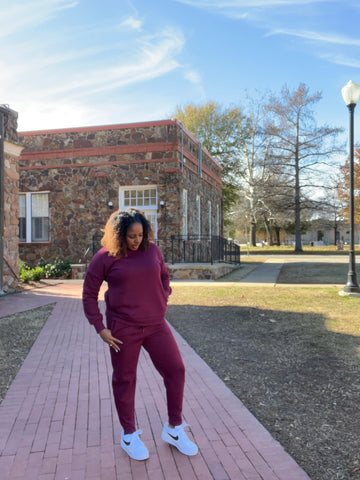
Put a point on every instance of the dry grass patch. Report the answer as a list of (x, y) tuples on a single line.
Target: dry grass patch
[(18, 333)]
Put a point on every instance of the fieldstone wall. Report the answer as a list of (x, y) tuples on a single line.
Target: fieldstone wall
[(82, 169), (11, 203)]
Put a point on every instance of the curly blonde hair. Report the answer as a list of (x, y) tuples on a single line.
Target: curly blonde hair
[(114, 238)]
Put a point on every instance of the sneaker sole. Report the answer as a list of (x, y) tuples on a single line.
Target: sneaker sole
[(172, 442), (132, 456)]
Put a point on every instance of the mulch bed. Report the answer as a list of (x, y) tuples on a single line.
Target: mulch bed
[(300, 387)]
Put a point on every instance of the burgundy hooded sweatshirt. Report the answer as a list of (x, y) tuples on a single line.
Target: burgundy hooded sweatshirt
[(138, 288)]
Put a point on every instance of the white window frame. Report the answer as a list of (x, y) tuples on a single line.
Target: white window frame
[(28, 218), (147, 209), (209, 207), (184, 229), (218, 220), (198, 213)]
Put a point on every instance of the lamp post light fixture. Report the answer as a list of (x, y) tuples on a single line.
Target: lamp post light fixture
[(350, 94)]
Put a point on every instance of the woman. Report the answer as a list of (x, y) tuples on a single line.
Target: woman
[(136, 302)]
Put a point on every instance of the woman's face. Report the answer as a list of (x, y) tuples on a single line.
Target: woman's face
[(134, 236)]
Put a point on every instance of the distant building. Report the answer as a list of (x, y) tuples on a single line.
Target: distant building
[(71, 180)]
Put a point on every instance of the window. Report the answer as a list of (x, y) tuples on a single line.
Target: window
[(198, 213), (34, 217), (210, 230), (217, 220), (184, 229), (142, 198)]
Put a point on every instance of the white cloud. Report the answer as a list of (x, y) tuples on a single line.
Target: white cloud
[(54, 88), (152, 57), (193, 76), (133, 23), (20, 15), (231, 4), (342, 60), (318, 37)]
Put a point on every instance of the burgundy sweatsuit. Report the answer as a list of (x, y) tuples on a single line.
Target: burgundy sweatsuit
[(136, 302)]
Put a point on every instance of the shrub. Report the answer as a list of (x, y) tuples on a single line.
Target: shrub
[(56, 268), (28, 274), (53, 269)]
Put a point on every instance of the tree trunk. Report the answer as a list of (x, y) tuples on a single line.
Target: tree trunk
[(269, 235), (277, 235), (253, 232)]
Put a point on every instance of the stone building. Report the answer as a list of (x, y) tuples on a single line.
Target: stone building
[(9, 191), (71, 179)]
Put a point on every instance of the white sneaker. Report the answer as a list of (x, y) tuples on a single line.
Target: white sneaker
[(177, 437), (133, 446)]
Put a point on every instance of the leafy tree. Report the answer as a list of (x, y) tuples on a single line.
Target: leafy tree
[(343, 187), (217, 128), (299, 146)]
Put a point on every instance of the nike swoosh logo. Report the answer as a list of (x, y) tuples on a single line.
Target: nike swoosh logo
[(175, 438), (126, 443)]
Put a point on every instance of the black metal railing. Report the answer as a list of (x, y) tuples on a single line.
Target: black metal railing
[(203, 249), (188, 249), (94, 246)]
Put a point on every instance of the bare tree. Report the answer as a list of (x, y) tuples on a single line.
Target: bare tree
[(343, 189), (299, 146)]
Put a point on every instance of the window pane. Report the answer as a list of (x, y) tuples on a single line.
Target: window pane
[(39, 205), (140, 198), (22, 206), (40, 229), (152, 220), (153, 196), (22, 229)]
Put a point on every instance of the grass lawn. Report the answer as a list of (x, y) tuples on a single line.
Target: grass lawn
[(292, 356), (307, 250)]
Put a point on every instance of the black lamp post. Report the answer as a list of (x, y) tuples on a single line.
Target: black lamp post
[(350, 94)]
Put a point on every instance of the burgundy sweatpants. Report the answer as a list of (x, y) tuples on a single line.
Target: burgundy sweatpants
[(159, 341)]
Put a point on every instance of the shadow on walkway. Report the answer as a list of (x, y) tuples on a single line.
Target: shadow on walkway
[(58, 419)]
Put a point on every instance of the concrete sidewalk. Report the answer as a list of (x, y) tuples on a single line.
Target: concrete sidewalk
[(267, 272), (58, 419)]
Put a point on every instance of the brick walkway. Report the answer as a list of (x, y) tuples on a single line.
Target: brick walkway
[(58, 419)]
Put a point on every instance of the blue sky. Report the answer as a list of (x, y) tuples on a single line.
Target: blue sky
[(68, 63)]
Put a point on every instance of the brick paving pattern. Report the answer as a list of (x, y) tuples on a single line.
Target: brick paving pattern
[(58, 420)]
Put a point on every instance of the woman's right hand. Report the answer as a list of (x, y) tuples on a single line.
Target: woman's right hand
[(106, 335)]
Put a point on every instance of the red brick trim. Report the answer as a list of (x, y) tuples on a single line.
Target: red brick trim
[(205, 169), (98, 164), (203, 178), (119, 126), (195, 140), (114, 150), (99, 151)]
